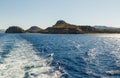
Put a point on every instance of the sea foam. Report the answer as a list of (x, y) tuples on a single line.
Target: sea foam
[(22, 62)]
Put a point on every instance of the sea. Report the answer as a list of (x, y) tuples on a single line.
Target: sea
[(59, 55)]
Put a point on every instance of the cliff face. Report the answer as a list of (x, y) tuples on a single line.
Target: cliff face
[(63, 30), (34, 29), (87, 29), (14, 29)]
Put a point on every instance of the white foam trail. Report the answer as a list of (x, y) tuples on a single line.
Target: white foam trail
[(113, 72), (3, 42), (22, 62)]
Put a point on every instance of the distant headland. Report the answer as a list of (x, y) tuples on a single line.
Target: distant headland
[(62, 27)]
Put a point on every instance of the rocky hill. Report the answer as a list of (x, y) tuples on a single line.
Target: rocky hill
[(61, 27), (15, 29), (34, 29)]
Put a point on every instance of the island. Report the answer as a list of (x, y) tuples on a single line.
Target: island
[(34, 29), (15, 29), (62, 27)]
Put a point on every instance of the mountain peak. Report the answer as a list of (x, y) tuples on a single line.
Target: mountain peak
[(34, 28), (60, 22)]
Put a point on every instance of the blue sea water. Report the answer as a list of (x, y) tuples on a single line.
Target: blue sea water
[(59, 56)]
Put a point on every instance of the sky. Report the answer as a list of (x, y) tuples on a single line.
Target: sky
[(45, 13)]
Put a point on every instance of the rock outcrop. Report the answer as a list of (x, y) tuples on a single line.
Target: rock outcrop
[(87, 29), (60, 22), (34, 29), (15, 29)]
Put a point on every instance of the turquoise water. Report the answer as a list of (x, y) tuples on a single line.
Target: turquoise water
[(59, 56)]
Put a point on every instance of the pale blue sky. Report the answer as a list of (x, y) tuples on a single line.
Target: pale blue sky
[(44, 13)]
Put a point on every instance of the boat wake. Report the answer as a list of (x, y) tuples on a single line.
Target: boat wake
[(22, 61)]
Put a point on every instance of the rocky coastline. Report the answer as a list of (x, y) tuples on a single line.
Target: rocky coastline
[(61, 27)]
